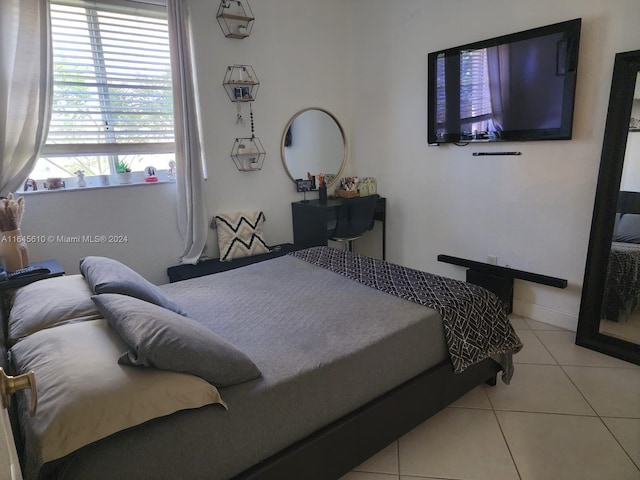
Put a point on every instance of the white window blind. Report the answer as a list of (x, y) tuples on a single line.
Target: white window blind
[(112, 81)]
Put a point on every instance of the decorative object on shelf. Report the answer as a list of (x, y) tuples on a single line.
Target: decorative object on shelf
[(338, 192), (322, 193), (150, 175), (241, 83), (30, 185), (123, 172), (80, 181), (235, 18), (322, 188), (13, 249), (367, 186), (303, 186), (349, 187), (54, 183), (248, 153)]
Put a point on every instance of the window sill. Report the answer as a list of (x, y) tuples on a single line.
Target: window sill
[(93, 183)]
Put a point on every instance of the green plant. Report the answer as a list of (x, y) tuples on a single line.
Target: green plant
[(122, 166)]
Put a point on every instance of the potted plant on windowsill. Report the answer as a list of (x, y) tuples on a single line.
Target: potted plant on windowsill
[(123, 171)]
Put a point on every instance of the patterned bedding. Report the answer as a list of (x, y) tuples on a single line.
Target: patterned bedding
[(475, 323), (622, 287)]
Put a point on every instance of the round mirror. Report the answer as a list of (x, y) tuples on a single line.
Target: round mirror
[(313, 142)]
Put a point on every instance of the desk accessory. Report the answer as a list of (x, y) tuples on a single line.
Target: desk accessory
[(303, 186)]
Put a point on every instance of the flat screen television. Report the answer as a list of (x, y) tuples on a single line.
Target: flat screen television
[(515, 87)]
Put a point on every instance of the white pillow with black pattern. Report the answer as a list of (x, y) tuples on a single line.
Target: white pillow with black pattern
[(240, 235)]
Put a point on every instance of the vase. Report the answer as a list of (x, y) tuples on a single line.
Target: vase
[(124, 177), (322, 197), (13, 250)]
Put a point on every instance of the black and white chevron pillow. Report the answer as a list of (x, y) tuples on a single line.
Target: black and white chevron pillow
[(240, 235)]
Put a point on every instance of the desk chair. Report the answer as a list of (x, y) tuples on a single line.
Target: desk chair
[(353, 218)]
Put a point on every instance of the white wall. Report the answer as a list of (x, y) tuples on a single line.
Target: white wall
[(144, 214), (365, 61), (299, 50), (532, 211)]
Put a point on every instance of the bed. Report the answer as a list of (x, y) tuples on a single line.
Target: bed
[(622, 285), (319, 371)]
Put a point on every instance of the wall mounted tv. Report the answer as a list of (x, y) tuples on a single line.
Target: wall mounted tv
[(511, 88)]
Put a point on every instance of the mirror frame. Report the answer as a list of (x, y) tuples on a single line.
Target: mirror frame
[(623, 84), (344, 142)]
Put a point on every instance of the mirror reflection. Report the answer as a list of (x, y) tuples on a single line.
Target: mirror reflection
[(313, 142), (621, 302)]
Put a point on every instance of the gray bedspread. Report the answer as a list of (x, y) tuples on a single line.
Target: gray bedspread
[(325, 345)]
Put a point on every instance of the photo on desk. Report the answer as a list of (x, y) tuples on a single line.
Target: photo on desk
[(303, 185)]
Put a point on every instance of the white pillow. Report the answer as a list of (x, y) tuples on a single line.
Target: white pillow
[(240, 235), (84, 394)]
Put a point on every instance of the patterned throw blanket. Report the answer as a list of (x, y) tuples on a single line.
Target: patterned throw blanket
[(622, 285), (475, 323)]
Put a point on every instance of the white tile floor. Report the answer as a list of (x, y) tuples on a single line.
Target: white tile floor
[(569, 414)]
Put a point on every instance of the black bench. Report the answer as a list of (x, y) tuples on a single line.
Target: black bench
[(207, 267)]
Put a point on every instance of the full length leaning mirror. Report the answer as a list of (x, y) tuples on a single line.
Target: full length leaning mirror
[(610, 308), (313, 141)]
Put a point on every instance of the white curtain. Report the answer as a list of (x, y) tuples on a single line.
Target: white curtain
[(498, 60), (25, 88), (192, 216)]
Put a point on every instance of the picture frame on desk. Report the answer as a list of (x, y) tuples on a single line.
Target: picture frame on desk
[(303, 185)]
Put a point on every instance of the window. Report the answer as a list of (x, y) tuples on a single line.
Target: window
[(112, 98)]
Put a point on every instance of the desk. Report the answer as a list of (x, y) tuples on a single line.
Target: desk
[(310, 220)]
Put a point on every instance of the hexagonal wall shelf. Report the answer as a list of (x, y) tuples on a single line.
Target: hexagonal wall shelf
[(235, 18), (241, 83), (248, 154)]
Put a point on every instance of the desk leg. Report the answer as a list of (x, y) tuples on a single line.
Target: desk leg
[(384, 235)]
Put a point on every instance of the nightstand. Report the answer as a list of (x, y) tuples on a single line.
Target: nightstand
[(55, 270)]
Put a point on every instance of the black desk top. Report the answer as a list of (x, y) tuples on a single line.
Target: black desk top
[(331, 202)]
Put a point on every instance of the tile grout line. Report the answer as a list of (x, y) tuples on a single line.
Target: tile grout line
[(545, 346), (506, 442), (598, 414), (582, 394), (600, 418), (618, 441)]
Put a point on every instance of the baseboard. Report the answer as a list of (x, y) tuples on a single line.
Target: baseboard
[(546, 315)]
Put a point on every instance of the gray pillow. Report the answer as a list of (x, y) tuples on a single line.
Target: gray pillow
[(627, 229), (106, 275), (49, 303), (163, 339)]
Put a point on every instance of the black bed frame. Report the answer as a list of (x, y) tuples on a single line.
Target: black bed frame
[(343, 445)]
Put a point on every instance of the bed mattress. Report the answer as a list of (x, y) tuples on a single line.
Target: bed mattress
[(325, 345)]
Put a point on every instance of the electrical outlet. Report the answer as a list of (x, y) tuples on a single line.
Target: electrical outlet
[(492, 259)]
